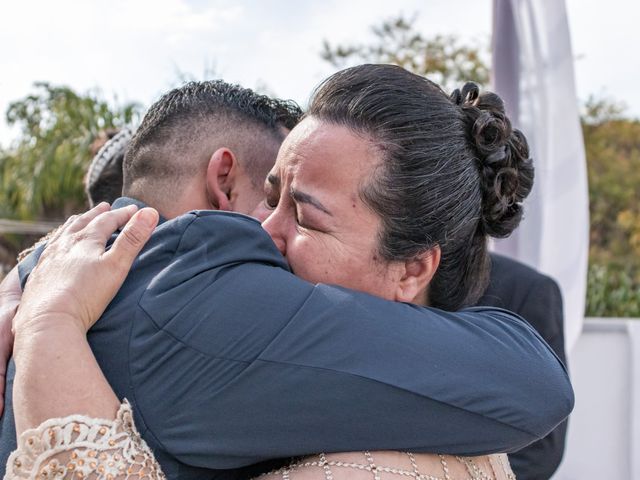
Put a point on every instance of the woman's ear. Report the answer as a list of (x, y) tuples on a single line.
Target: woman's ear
[(218, 181), (417, 275)]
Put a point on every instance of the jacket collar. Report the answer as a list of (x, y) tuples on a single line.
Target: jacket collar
[(126, 201)]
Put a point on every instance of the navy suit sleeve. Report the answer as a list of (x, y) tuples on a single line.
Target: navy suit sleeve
[(234, 360)]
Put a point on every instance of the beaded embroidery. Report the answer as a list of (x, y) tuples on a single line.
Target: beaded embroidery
[(79, 447), (391, 465)]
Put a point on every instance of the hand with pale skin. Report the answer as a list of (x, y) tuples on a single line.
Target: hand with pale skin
[(58, 309)]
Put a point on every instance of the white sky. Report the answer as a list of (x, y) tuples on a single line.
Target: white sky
[(134, 49)]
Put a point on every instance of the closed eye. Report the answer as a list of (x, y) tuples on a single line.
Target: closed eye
[(271, 192)]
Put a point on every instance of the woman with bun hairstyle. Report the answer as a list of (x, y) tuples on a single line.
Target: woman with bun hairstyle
[(387, 186), (440, 175)]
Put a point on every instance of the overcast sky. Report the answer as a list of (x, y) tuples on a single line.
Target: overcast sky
[(135, 49)]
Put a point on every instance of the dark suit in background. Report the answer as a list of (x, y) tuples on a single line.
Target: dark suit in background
[(536, 298)]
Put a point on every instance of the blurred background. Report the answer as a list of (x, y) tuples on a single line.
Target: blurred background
[(73, 73)]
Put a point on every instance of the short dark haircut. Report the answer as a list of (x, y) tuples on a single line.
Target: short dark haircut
[(453, 171), (178, 132)]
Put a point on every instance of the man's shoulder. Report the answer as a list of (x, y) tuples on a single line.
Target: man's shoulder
[(219, 238), (206, 259)]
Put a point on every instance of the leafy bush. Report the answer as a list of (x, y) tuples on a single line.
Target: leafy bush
[(612, 144), (611, 292)]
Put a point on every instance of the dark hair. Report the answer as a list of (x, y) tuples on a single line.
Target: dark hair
[(104, 176), (453, 170), (170, 140)]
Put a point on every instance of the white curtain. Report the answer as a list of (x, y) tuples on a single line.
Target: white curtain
[(533, 72)]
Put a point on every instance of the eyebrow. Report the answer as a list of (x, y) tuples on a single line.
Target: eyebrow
[(273, 180), (302, 197)]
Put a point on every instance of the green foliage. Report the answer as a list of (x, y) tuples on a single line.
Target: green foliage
[(41, 173), (612, 145), (598, 110), (611, 292), (442, 58), (613, 158)]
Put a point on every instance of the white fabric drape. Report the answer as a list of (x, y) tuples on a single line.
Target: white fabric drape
[(533, 71)]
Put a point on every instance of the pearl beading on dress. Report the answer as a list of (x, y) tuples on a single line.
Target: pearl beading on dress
[(79, 447)]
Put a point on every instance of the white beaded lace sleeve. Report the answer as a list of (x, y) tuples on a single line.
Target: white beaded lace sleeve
[(80, 447)]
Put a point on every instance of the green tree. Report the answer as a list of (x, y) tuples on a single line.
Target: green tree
[(612, 145), (42, 171), (442, 58), (598, 110)]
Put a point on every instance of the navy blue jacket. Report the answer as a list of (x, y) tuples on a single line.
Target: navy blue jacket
[(229, 359)]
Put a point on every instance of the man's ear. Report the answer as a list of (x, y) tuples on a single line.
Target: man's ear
[(219, 178), (417, 275)]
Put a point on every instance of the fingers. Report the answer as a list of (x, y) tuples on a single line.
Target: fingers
[(53, 235), (77, 222), (105, 224), (94, 228), (83, 220), (131, 240), (133, 237)]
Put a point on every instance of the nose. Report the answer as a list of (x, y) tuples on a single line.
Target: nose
[(274, 227)]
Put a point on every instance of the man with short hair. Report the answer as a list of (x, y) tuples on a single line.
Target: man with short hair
[(226, 139)]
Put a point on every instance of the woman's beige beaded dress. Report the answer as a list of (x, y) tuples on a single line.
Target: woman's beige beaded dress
[(79, 447)]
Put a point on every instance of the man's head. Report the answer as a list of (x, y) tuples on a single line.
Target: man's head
[(206, 145)]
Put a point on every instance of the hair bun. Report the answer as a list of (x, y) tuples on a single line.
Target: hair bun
[(506, 171)]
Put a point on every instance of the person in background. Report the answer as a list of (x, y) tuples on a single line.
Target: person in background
[(103, 182), (536, 298)]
